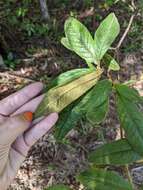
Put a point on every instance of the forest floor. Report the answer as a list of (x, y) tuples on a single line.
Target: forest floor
[(49, 162)]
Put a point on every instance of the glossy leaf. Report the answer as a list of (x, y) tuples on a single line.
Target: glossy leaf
[(80, 39), (131, 120), (58, 187), (111, 62), (119, 152), (97, 114), (100, 179), (105, 35), (56, 99)]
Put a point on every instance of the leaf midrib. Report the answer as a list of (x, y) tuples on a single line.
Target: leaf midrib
[(81, 84), (82, 42), (86, 47)]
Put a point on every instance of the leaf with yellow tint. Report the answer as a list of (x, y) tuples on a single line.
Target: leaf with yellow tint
[(57, 98)]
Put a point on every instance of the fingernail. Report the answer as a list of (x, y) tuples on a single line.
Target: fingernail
[(28, 116)]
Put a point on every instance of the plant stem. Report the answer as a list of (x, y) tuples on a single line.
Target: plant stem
[(126, 167), (128, 174), (90, 65), (121, 133), (108, 75)]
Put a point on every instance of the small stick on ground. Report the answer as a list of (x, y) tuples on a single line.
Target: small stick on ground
[(126, 32)]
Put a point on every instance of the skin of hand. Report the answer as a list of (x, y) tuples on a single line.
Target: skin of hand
[(17, 131)]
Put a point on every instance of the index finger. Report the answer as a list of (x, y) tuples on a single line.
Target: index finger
[(16, 100)]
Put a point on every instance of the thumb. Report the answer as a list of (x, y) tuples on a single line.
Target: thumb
[(13, 126)]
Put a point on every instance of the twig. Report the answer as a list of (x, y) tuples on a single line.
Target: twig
[(126, 32), (133, 5), (129, 175)]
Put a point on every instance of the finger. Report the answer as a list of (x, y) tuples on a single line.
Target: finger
[(16, 100), (14, 126), (2, 119), (30, 106), (35, 133)]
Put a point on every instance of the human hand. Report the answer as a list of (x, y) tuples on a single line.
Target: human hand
[(17, 132)]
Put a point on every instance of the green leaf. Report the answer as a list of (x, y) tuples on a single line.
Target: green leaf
[(99, 179), (97, 105), (80, 39), (131, 120), (67, 120), (73, 113), (105, 34), (113, 65), (111, 153), (130, 116), (111, 62), (67, 77), (100, 93), (128, 93), (95, 97), (97, 114), (65, 42), (58, 187), (57, 98)]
